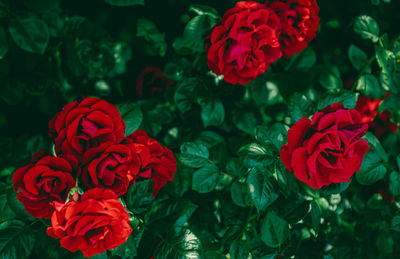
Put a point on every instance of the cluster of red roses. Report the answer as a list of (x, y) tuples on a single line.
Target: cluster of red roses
[(90, 144), (251, 36)]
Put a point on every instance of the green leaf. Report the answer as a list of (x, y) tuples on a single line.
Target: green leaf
[(236, 168), (394, 183), (204, 10), (276, 134), (372, 169), (99, 256), (132, 116), (194, 33), (392, 104), (239, 250), (386, 60), (3, 43), (330, 79), (16, 241), (156, 44), (129, 248), (260, 189), (206, 178), (244, 120), (398, 161), (299, 107), (174, 211), (210, 139), (30, 34), (274, 230), (140, 196), (186, 93), (302, 60), (182, 180), (376, 146), (294, 209), (396, 223), (239, 194), (194, 154), (125, 2), (367, 27), (180, 245), (212, 112), (6, 212), (264, 92), (369, 86), (335, 188), (357, 57), (255, 149), (17, 206), (347, 98)]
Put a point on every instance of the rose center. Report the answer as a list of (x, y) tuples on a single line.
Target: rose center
[(49, 184), (97, 234), (106, 169)]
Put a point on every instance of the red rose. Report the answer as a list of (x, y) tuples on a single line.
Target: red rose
[(245, 42), (368, 109), (157, 163), (94, 224), (382, 124), (151, 82), (45, 180), (327, 149), (299, 22), (90, 124), (115, 168)]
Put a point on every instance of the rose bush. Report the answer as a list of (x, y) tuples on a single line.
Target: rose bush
[(326, 149), (214, 147), (95, 223)]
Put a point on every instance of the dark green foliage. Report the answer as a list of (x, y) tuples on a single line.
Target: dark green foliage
[(231, 196)]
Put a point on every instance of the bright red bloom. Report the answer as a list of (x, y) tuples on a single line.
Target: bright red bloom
[(87, 125), (115, 168), (327, 149), (157, 162), (299, 21), (244, 43), (45, 180), (95, 223)]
